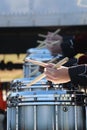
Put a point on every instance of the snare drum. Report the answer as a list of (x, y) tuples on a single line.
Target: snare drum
[(45, 110)]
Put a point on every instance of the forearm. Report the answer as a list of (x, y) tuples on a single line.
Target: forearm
[(78, 75)]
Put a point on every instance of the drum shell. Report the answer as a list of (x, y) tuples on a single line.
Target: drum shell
[(45, 114), (46, 118)]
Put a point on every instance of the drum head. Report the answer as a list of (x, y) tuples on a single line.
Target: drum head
[(37, 50)]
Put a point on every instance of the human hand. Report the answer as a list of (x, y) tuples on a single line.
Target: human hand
[(54, 48), (59, 75)]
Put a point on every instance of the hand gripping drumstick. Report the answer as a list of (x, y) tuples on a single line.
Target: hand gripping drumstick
[(43, 43), (39, 63), (43, 75), (44, 36)]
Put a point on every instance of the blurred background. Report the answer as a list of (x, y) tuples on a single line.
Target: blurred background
[(20, 23)]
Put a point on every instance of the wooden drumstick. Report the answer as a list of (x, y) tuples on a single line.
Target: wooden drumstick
[(55, 42), (57, 31), (39, 63), (41, 43), (44, 36), (34, 72), (63, 61), (40, 47), (36, 62), (51, 43), (52, 60), (45, 42)]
